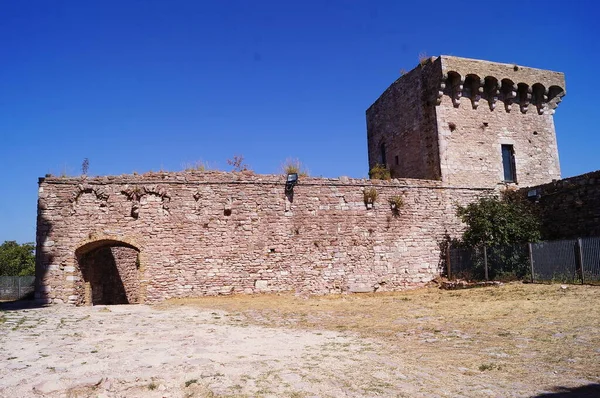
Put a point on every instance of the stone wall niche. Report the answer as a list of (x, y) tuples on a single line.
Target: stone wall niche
[(109, 273)]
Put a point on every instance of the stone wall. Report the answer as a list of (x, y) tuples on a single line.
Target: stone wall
[(207, 233), (448, 118), (473, 126), (570, 207)]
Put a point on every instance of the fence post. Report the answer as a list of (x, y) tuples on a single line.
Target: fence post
[(531, 262), (580, 259), (448, 266), (485, 263)]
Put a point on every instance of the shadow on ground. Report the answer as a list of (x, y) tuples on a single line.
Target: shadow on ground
[(22, 304), (587, 391)]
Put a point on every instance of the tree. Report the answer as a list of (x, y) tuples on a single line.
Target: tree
[(17, 260), (501, 225), (504, 220)]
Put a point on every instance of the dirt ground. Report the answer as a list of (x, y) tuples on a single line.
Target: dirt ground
[(514, 340)]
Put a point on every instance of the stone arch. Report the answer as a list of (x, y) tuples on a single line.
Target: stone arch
[(539, 97), (109, 270), (471, 89), (454, 86), (491, 91), (555, 94), (508, 92), (524, 96)]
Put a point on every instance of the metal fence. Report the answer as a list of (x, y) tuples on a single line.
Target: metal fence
[(569, 261), (16, 287)]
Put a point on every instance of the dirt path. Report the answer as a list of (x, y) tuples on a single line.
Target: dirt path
[(130, 351), (182, 351)]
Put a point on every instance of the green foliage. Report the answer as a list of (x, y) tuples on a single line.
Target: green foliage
[(379, 172), (370, 195), (17, 260), (396, 202), (493, 221), (503, 225)]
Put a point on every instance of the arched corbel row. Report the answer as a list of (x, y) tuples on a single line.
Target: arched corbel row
[(491, 91), (555, 94), (524, 96), (509, 93), (455, 82), (441, 89), (473, 88), (539, 97)]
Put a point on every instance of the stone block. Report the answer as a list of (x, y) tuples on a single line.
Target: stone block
[(261, 284)]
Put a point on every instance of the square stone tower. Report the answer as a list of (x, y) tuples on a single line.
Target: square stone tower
[(468, 123)]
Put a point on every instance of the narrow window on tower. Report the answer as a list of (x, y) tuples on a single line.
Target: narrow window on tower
[(508, 163), (382, 155)]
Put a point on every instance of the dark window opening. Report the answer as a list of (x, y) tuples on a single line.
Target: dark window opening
[(397, 160), (508, 163), (382, 157)]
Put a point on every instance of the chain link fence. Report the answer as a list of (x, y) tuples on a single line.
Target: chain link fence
[(568, 261), (16, 287)]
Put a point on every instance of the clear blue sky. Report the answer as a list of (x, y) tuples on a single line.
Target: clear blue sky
[(150, 85)]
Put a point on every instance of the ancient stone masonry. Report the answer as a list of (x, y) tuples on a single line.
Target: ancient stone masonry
[(459, 120), (570, 208), (203, 233), (450, 130)]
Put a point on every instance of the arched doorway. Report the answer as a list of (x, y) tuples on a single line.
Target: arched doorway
[(110, 271)]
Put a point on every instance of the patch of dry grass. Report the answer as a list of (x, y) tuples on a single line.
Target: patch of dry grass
[(515, 331)]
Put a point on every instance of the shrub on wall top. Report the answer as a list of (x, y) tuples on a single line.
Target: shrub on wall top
[(379, 172)]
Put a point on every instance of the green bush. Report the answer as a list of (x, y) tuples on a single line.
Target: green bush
[(379, 172), (370, 195)]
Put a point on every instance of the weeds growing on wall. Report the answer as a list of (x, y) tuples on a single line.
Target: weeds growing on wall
[(423, 59), (198, 165), (237, 163), (292, 165), (370, 195), (379, 172), (396, 202)]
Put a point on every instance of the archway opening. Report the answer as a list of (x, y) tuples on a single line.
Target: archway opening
[(110, 271)]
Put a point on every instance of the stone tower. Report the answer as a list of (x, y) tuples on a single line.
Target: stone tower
[(468, 123)]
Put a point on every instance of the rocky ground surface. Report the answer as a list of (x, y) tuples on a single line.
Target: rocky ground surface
[(184, 351)]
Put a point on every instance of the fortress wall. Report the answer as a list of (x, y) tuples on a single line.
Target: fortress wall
[(570, 207), (207, 233)]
